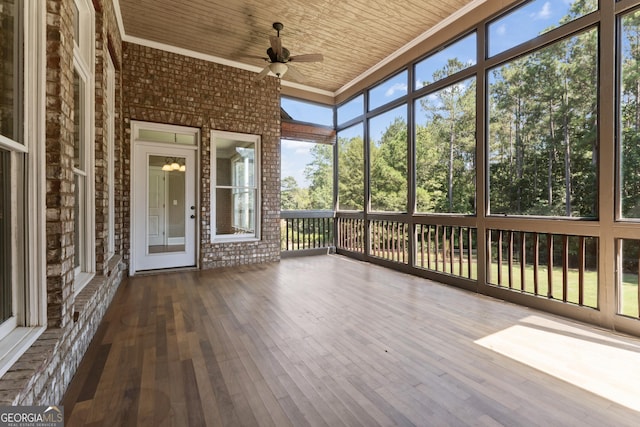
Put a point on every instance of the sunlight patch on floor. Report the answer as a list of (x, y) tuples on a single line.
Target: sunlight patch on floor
[(600, 363)]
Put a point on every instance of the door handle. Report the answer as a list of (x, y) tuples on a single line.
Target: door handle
[(193, 216)]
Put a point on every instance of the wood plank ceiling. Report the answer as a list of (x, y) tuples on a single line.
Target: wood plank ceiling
[(352, 35)]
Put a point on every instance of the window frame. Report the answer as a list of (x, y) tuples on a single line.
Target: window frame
[(28, 206), (84, 65), (242, 237), (110, 99)]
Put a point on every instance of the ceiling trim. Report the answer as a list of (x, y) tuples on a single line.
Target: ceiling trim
[(413, 43)]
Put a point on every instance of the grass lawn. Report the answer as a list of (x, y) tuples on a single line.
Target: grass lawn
[(629, 288)]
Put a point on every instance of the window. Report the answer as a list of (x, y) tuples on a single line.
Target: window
[(532, 19), (22, 240), (351, 110), (6, 291), (445, 133), (235, 178), (306, 176), (389, 90), (453, 58), (83, 159), (351, 169), (629, 116), (543, 131), (388, 160), (301, 111), (110, 133)]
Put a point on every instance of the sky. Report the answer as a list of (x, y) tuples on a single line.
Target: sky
[(295, 156), (504, 33)]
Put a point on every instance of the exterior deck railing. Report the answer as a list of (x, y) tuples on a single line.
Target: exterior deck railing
[(554, 266), (306, 230)]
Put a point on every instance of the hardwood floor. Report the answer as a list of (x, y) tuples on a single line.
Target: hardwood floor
[(330, 341)]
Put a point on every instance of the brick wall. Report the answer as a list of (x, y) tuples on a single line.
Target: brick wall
[(42, 373), (164, 87)]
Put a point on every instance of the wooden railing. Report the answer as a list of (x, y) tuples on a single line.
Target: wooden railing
[(351, 234), (554, 266), (389, 240), (301, 230), (447, 249)]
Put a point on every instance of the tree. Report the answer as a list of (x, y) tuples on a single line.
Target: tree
[(320, 175), (293, 197)]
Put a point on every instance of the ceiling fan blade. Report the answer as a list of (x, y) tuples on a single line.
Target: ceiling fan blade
[(253, 57), (262, 74), (310, 57), (276, 45), (295, 74)]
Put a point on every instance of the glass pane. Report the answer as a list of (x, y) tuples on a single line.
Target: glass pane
[(236, 184), (450, 60), (307, 112), (543, 131), (168, 137), (351, 169), (78, 121), (351, 109), (306, 175), (532, 19), (78, 219), (445, 149), (389, 90), (5, 238), (10, 88), (235, 211), (166, 215), (628, 274), (388, 157), (629, 114)]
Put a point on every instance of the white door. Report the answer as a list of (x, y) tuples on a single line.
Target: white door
[(163, 207)]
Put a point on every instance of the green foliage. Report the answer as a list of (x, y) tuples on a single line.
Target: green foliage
[(543, 132), (351, 173)]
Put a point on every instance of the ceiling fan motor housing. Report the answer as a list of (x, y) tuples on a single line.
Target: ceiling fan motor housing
[(273, 57)]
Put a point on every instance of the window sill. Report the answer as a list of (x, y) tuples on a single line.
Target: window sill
[(234, 239), (15, 344), (82, 279)]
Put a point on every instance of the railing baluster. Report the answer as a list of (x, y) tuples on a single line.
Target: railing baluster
[(565, 267), (536, 261), (469, 252), (523, 260), (460, 251), (437, 248), (499, 250), (550, 265), (510, 260), (429, 247), (452, 248), (581, 269), (421, 245)]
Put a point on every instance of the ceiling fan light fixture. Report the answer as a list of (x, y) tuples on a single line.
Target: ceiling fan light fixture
[(278, 68)]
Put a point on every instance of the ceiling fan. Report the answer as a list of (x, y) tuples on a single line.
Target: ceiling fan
[(279, 58)]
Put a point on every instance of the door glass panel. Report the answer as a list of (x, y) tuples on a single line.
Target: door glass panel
[(166, 209)]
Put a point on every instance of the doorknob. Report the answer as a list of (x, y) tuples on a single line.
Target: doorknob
[(193, 208), (193, 216)]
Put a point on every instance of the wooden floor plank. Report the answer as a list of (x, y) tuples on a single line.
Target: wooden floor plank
[(328, 341)]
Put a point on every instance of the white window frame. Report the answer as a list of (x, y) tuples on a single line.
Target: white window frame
[(110, 99), (240, 137), (84, 65), (28, 202)]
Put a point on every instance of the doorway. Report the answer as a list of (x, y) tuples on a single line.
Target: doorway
[(163, 203)]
